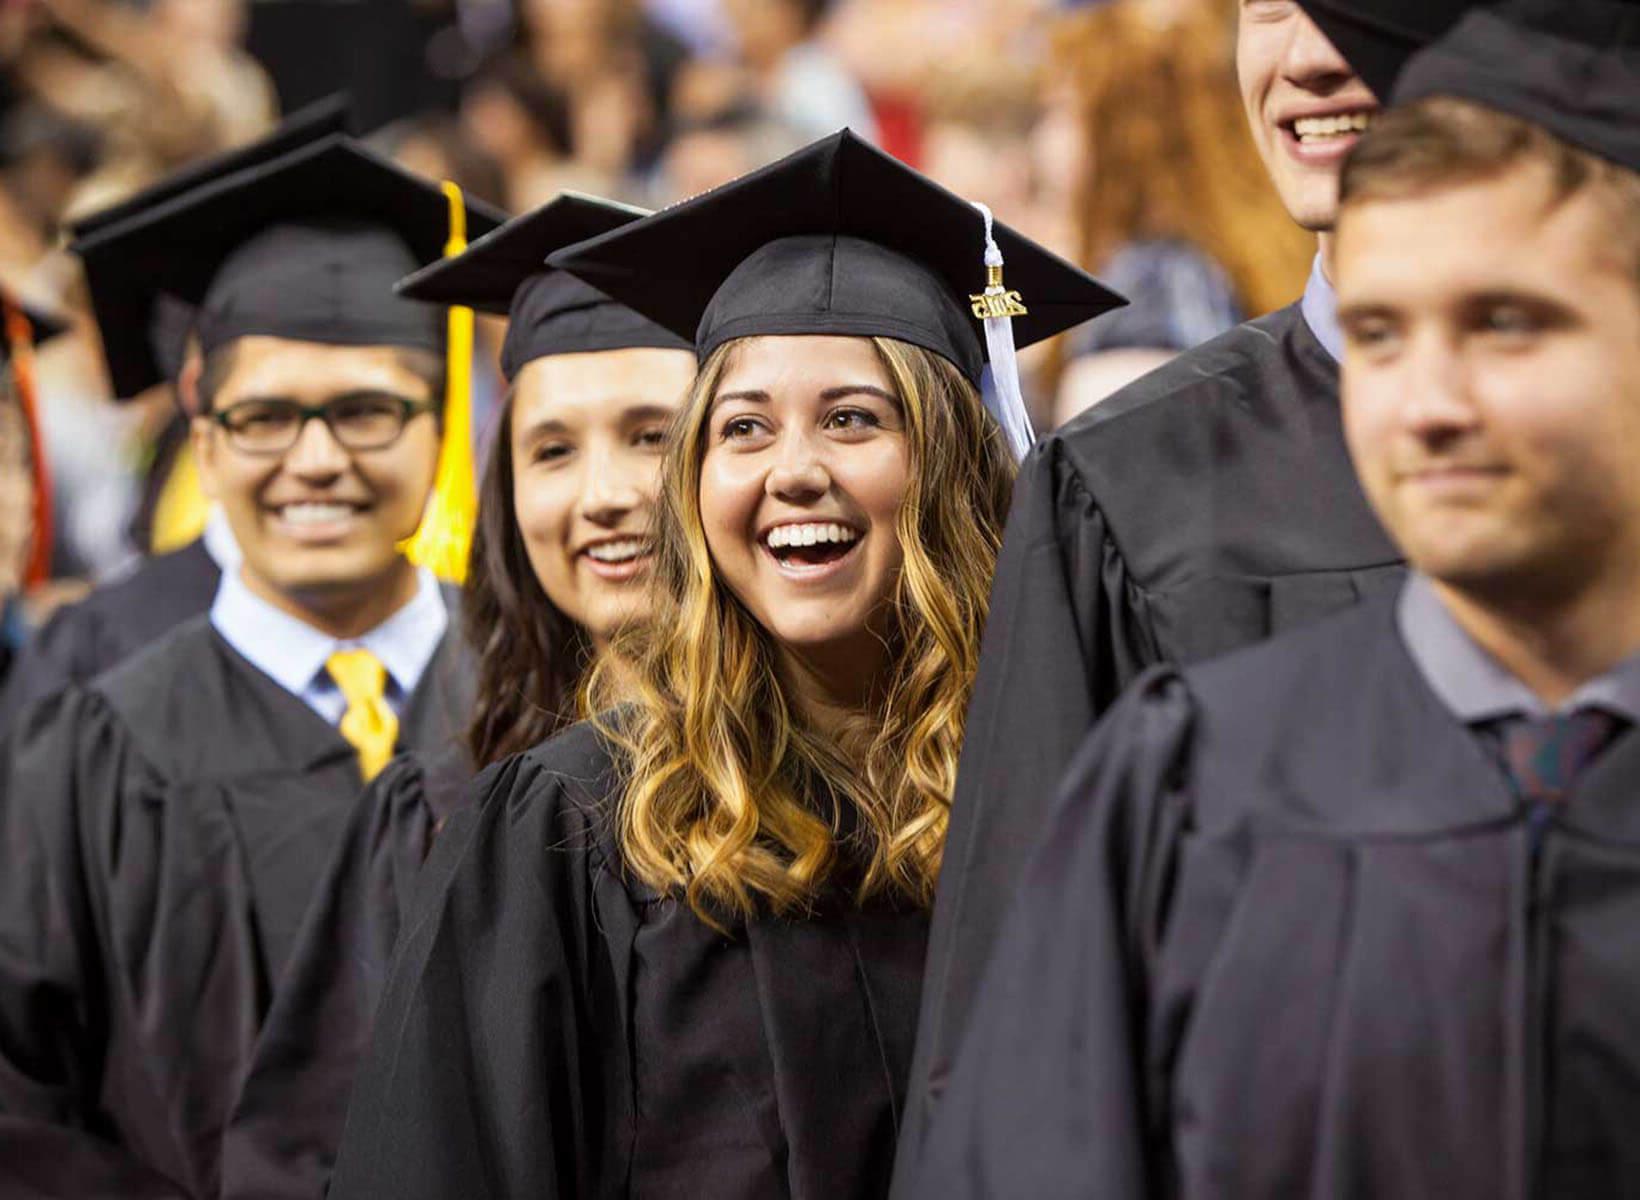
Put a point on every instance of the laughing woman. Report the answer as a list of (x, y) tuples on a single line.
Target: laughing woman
[(676, 951), (559, 565)]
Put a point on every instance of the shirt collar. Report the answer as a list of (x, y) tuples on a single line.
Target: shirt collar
[(1320, 309), (220, 542), (1474, 685), (293, 653)]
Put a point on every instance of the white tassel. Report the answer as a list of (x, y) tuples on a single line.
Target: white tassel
[(1009, 408)]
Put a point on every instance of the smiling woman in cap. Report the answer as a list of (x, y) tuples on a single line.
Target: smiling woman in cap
[(678, 949)]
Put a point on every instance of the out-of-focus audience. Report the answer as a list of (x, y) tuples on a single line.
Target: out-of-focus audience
[(1109, 131)]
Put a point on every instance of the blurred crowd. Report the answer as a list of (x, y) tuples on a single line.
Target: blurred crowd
[(1110, 131)]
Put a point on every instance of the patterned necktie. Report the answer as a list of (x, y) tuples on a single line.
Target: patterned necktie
[(1545, 755), (369, 725)]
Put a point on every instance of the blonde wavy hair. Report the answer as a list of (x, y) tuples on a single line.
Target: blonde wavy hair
[(730, 798)]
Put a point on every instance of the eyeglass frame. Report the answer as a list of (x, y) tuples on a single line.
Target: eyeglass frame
[(409, 410)]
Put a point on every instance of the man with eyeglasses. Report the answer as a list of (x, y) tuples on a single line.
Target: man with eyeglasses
[(162, 828), (120, 617)]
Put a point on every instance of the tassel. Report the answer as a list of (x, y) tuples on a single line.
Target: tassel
[(20, 339), (445, 537), (182, 510), (996, 307)]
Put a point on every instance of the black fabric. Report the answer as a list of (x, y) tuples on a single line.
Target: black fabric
[(321, 119), (505, 272), (487, 274), (1289, 933), (170, 324), (162, 831), (553, 1029), (1569, 66), (838, 238), (306, 245), (1210, 505), (556, 313), (82, 640), (1378, 36), (288, 1119)]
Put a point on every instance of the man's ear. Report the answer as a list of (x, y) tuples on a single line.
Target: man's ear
[(188, 399), (202, 440)]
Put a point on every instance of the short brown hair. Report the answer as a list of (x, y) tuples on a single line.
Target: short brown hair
[(1442, 142), (219, 363)]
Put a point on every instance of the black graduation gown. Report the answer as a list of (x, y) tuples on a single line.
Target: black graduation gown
[(84, 639), (553, 1029), (1290, 934), (1208, 506), (286, 1125), (161, 831)]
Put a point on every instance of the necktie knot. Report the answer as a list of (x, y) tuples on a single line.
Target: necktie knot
[(369, 724), (1544, 756), (359, 675)]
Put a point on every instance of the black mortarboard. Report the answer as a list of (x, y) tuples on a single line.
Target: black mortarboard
[(171, 320), (317, 120), (836, 238), (1377, 37), (1571, 67), (505, 272), (305, 246)]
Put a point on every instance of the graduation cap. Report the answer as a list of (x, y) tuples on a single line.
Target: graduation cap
[(24, 328), (320, 119), (305, 245), (839, 238), (172, 320), (505, 272), (1377, 37), (1571, 67)]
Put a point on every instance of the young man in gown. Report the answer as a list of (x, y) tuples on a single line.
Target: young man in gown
[(162, 828), (1204, 507), (1353, 912)]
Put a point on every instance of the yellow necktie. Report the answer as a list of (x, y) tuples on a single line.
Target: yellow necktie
[(369, 724)]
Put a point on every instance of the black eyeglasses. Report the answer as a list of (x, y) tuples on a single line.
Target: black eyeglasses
[(362, 421)]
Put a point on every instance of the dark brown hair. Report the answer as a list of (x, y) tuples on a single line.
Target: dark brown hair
[(531, 656), (1443, 142), (425, 365)]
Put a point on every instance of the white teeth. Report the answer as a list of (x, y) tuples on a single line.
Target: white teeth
[(617, 552), (809, 535), (1317, 128), (314, 514)]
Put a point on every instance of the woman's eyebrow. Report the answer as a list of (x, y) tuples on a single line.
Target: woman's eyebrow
[(855, 389), (757, 397), (540, 428)]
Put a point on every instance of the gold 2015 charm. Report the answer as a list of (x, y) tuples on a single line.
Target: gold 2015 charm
[(997, 304)]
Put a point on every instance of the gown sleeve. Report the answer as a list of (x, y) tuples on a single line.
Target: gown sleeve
[(479, 1081), (65, 763), (1066, 632), (282, 1139), (65, 651), (1048, 1093)]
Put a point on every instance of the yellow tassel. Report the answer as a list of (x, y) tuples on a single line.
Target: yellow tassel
[(446, 533), (182, 509)]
